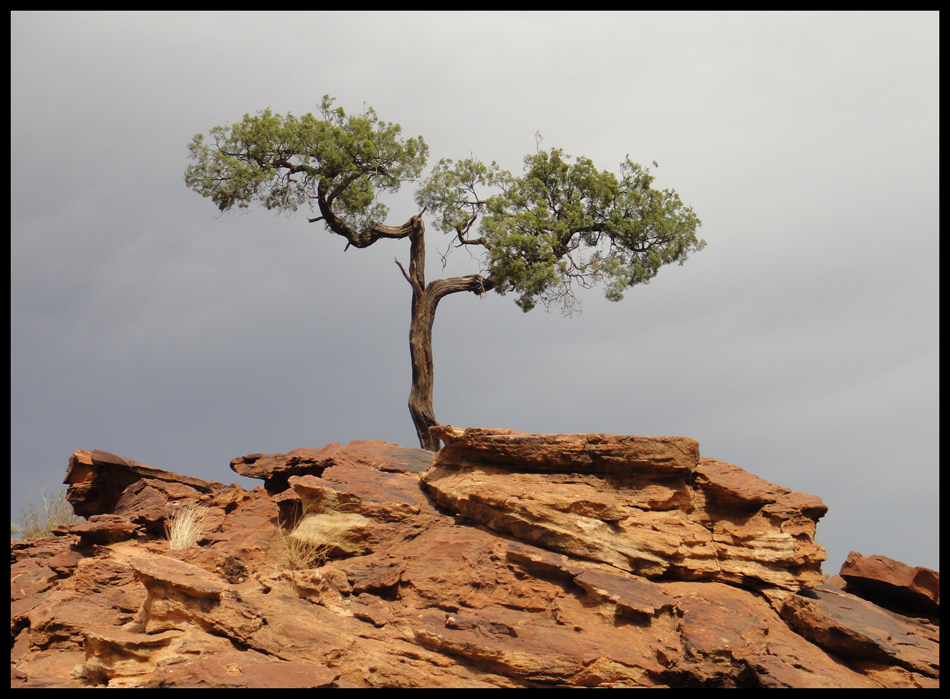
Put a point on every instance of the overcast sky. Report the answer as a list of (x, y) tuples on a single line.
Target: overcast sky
[(801, 344)]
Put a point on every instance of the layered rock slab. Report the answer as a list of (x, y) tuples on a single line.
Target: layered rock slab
[(98, 480), (567, 453), (851, 627), (647, 505), (276, 469)]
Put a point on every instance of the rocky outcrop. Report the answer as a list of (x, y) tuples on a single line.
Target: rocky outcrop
[(647, 505), (444, 583), (98, 481)]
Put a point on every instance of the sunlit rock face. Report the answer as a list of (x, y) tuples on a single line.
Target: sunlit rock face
[(647, 505)]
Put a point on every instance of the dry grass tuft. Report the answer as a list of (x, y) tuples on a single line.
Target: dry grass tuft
[(186, 525), (56, 511), (323, 529)]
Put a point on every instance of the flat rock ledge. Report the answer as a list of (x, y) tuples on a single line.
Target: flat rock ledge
[(648, 505), (276, 469)]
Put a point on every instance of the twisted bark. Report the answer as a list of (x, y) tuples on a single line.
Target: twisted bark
[(425, 300), (368, 236)]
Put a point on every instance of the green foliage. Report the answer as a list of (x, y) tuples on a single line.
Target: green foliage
[(451, 192), (283, 162), (562, 224), (558, 226)]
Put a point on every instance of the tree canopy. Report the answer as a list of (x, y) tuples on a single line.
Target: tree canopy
[(557, 225), (338, 163), (560, 224)]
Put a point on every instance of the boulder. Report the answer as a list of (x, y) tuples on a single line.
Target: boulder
[(429, 596), (892, 584), (106, 529)]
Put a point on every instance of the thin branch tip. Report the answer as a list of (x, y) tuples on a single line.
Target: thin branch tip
[(402, 269)]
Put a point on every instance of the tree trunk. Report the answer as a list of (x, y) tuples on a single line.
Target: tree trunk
[(425, 299), (420, 342)]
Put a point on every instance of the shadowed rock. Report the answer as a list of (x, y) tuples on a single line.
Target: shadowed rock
[(856, 628), (98, 481), (892, 583)]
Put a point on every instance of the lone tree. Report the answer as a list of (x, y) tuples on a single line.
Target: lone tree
[(558, 225)]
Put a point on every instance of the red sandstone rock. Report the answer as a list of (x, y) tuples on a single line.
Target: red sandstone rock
[(243, 670), (432, 600), (565, 453), (106, 529), (276, 469), (645, 505), (851, 627), (892, 583), (97, 480)]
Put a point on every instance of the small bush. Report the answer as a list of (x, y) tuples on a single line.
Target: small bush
[(57, 511), (186, 525)]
